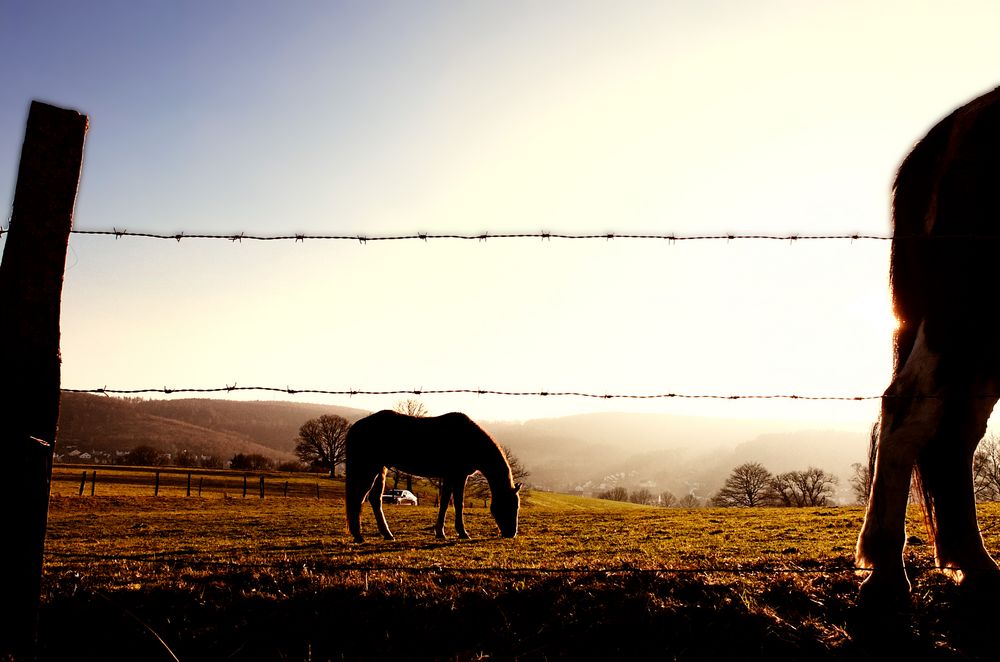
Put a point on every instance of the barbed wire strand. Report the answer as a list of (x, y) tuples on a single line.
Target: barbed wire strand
[(672, 237), (544, 235), (478, 391)]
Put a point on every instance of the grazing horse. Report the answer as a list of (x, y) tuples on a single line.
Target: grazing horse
[(946, 377), (450, 447)]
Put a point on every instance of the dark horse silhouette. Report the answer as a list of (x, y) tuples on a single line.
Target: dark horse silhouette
[(450, 447), (944, 273)]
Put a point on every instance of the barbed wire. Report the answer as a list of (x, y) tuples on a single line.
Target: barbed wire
[(544, 235), (478, 391), (481, 236)]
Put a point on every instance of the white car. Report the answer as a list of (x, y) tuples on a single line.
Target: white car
[(399, 497)]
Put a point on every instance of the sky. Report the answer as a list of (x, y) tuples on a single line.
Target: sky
[(385, 118)]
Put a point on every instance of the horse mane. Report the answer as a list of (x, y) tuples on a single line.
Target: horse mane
[(500, 467)]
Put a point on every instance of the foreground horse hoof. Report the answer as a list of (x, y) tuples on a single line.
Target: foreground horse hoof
[(880, 592), (464, 536), (359, 539), (388, 536)]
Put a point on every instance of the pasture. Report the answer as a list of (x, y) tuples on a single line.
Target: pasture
[(226, 577)]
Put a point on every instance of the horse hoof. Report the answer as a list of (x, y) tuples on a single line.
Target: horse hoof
[(878, 592), (358, 539), (388, 536), (464, 536)]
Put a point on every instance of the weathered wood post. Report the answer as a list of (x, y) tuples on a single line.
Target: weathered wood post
[(261, 487), (156, 485), (93, 482), (201, 481), (189, 484), (83, 482), (31, 279), (244, 486)]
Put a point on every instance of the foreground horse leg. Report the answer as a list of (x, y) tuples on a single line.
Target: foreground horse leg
[(357, 486), (446, 488), (946, 475), (459, 508), (375, 499), (907, 426)]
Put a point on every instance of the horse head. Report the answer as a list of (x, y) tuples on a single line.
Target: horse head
[(504, 507)]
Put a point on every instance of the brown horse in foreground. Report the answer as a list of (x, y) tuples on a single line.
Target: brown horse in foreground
[(946, 380), (450, 447)]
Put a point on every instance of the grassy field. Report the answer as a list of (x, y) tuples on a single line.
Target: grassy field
[(227, 577)]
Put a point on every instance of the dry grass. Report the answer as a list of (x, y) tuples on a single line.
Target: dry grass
[(251, 579)]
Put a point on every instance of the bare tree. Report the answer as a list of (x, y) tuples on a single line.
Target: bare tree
[(410, 408), (748, 486), (689, 501), (642, 496), (812, 487), (667, 499), (986, 469), (618, 493), (322, 442), (861, 482)]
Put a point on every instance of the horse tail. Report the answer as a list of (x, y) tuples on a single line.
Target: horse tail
[(910, 275)]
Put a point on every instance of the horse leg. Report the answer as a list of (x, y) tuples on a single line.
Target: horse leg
[(446, 488), (357, 486), (907, 427), (946, 476), (459, 507), (375, 499)]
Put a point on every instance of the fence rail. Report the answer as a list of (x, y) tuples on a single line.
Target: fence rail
[(67, 479)]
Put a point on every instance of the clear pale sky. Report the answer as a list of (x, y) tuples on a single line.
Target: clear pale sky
[(385, 118)]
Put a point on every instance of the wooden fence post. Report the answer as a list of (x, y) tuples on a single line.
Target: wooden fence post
[(261, 487), (31, 278), (156, 486), (201, 481), (286, 488), (244, 486), (189, 484), (93, 482), (83, 482)]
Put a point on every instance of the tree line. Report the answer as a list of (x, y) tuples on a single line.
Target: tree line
[(751, 484)]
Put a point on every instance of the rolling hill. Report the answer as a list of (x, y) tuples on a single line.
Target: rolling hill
[(218, 428), (584, 453)]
